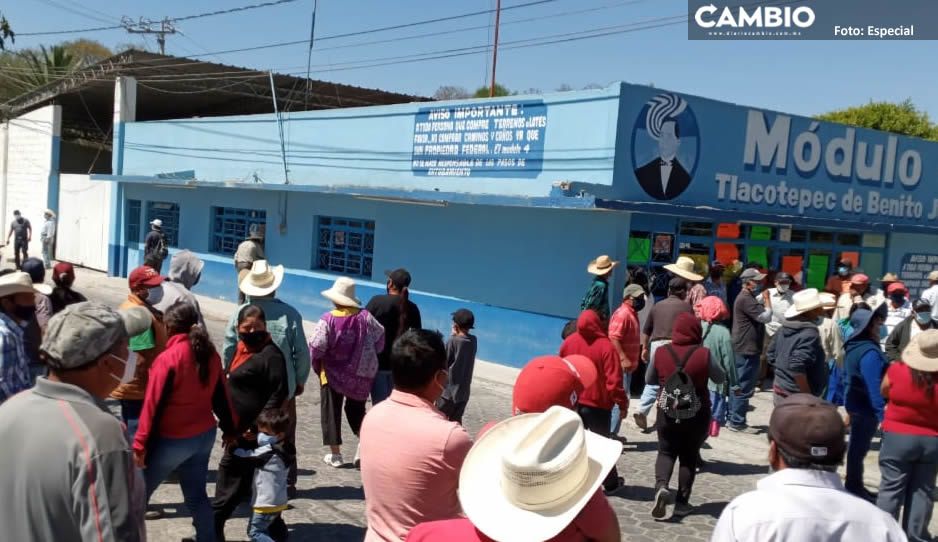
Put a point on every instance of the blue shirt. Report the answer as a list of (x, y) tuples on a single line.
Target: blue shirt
[(14, 367), (285, 325)]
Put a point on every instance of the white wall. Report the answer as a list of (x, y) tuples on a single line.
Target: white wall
[(32, 153), (84, 221)]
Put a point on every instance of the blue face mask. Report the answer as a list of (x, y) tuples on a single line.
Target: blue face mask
[(923, 318), (263, 439)]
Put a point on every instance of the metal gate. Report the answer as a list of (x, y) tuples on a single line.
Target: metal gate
[(84, 224)]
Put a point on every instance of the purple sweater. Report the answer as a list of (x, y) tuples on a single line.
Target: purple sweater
[(346, 348)]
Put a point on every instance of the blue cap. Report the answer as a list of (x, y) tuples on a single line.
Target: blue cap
[(859, 321)]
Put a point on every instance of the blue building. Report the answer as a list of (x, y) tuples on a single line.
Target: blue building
[(498, 205)]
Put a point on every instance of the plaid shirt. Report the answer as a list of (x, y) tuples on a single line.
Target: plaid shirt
[(14, 367)]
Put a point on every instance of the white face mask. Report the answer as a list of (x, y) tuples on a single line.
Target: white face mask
[(782, 288), (130, 368)]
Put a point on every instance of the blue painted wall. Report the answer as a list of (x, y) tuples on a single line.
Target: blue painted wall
[(524, 269), (370, 147)]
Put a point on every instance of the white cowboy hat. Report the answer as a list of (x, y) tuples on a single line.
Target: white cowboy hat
[(804, 301), (828, 301), (49, 212), (20, 283), (156, 222), (601, 265), (684, 268), (922, 352), (342, 293), (529, 476), (262, 279)]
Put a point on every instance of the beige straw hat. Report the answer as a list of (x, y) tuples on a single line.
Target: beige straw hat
[(684, 268), (922, 352), (601, 265), (262, 279), (528, 477), (342, 293)]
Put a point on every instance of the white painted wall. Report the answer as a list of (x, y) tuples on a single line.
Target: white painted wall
[(31, 150), (84, 221)]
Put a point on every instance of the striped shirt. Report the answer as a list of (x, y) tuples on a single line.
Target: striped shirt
[(14, 366)]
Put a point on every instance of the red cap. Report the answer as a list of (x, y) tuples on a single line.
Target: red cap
[(144, 276), (859, 278), (896, 287), (547, 381)]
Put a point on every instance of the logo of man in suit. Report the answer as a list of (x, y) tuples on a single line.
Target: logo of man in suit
[(666, 117)]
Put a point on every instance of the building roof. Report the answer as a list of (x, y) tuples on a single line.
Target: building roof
[(175, 87)]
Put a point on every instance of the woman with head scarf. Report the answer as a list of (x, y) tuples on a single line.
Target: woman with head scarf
[(864, 364), (716, 338), (63, 275), (908, 459), (682, 370)]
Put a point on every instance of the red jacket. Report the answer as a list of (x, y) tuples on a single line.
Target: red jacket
[(590, 340), (177, 404)]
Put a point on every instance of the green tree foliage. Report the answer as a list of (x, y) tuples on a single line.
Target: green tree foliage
[(899, 118), (450, 92), (28, 69), (6, 32), (483, 92)]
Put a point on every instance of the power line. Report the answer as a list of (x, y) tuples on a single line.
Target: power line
[(79, 12)]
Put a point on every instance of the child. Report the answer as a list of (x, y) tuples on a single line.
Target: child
[(270, 477), (716, 338), (460, 361)]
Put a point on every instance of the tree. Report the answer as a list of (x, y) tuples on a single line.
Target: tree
[(6, 32), (31, 68), (46, 65), (87, 52), (449, 92), (899, 118), (483, 92)]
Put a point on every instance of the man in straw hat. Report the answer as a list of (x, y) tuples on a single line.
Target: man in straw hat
[(797, 503), (887, 279), (155, 247), (797, 353), (47, 236), (684, 268), (656, 332), (249, 251), (597, 297), (529, 479), (285, 325), (70, 474), (17, 308)]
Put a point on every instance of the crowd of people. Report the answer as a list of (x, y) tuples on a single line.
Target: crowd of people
[(856, 360)]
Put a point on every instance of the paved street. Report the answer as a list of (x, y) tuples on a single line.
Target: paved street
[(330, 505)]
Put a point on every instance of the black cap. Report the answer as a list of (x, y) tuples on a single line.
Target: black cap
[(782, 276), (400, 278), (464, 319), (921, 305)]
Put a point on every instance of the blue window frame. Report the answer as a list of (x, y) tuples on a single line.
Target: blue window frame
[(344, 245), (169, 213), (230, 227), (132, 224)]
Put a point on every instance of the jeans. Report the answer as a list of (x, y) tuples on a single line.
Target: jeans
[(747, 368), (650, 391), (266, 527), (616, 413), (381, 389), (909, 465), (47, 252), (130, 413), (862, 428), (189, 458), (718, 404)]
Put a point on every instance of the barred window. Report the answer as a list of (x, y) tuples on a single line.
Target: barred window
[(230, 227), (344, 245)]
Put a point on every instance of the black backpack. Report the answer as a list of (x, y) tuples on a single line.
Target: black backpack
[(678, 398)]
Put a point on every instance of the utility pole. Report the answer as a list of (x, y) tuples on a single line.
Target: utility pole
[(498, 12), (148, 26)]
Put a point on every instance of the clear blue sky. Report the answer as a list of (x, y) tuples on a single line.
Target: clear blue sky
[(798, 77)]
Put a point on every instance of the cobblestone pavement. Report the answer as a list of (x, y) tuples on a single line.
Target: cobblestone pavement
[(330, 505)]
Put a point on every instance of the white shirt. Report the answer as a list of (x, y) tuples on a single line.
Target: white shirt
[(780, 304), (931, 295), (895, 317), (666, 167), (797, 505)]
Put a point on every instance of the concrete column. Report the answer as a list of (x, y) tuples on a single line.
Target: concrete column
[(125, 110)]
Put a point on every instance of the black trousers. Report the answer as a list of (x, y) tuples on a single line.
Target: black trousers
[(680, 442), (330, 410), (599, 421), (291, 439), (19, 247), (234, 485)]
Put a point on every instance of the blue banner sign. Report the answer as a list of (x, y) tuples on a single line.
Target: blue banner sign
[(693, 151), (503, 139), (914, 270)]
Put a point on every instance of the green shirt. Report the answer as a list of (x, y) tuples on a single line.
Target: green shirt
[(597, 298)]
